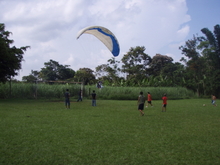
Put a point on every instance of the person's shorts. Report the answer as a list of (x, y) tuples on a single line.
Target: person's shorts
[(149, 102), (67, 102), (164, 105), (213, 101), (141, 107)]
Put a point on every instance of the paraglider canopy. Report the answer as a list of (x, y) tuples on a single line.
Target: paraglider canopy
[(104, 35)]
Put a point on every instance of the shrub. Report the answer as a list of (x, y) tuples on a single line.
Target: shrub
[(49, 91)]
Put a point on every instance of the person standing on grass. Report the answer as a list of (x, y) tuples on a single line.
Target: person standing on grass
[(67, 99), (164, 98), (213, 100), (141, 102), (93, 98), (79, 96), (149, 100)]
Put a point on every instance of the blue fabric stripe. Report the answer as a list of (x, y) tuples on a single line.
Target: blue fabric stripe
[(116, 49)]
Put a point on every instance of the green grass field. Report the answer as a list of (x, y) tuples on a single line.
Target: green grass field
[(113, 133)]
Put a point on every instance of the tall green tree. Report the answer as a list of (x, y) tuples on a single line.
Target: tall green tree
[(101, 70), (135, 63), (66, 73), (10, 56), (54, 71), (195, 65), (158, 63), (85, 75), (175, 73), (210, 47), (110, 72), (34, 76), (203, 62)]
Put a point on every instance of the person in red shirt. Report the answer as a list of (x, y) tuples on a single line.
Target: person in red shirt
[(164, 98), (149, 100)]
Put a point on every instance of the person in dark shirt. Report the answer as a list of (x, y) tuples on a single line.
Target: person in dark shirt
[(80, 96), (141, 101), (93, 98), (67, 99)]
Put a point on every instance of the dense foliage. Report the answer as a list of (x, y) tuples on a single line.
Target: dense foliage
[(10, 57), (51, 71), (56, 91), (198, 71), (203, 62)]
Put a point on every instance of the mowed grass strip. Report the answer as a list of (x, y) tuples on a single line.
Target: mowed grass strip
[(113, 132)]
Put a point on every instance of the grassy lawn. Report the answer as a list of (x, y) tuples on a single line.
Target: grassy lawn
[(45, 133)]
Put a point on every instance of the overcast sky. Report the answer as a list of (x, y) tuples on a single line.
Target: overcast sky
[(50, 28)]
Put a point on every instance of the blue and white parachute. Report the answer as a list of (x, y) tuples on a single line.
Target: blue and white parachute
[(104, 35)]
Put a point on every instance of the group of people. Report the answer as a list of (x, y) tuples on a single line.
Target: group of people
[(67, 98), (141, 102)]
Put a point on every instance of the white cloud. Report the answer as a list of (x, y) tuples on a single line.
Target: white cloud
[(50, 28), (183, 32)]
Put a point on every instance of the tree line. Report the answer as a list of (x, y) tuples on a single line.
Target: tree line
[(198, 70)]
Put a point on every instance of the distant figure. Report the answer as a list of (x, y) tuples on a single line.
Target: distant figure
[(141, 102), (67, 99), (149, 99), (164, 98), (99, 84), (213, 100), (79, 96), (93, 98)]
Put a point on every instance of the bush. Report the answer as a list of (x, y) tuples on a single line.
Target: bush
[(131, 93), (33, 91)]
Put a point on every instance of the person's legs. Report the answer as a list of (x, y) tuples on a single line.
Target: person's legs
[(68, 104), (141, 108), (164, 108), (213, 103), (93, 102), (147, 104), (141, 112)]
